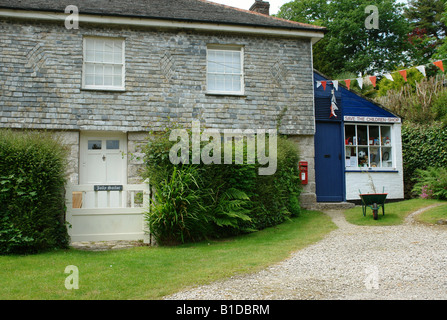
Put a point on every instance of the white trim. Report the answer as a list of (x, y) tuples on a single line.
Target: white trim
[(313, 88), (145, 22), (368, 146)]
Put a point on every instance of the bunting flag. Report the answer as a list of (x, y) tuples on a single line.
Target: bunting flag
[(373, 79), (439, 65), (335, 83), (403, 73), (348, 83), (422, 70), (360, 82)]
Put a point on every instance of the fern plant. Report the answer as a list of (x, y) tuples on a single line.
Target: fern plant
[(433, 179), (231, 208)]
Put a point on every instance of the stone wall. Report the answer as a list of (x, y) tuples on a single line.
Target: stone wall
[(71, 140), (135, 160), (41, 72), (306, 148), (41, 78)]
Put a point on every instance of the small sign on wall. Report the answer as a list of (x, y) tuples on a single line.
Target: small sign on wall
[(372, 119), (108, 188)]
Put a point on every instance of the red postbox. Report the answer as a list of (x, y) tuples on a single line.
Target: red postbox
[(304, 177)]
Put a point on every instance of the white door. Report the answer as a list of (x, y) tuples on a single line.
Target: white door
[(103, 162)]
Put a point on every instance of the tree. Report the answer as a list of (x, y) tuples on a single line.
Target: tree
[(441, 50), (349, 46), (427, 15), (428, 29)]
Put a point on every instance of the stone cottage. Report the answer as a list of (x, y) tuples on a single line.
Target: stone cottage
[(103, 73)]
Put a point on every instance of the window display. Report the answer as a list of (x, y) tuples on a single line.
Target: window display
[(368, 146)]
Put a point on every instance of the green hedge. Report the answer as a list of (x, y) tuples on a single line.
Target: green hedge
[(423, 147), (198, 201), (32, 207)]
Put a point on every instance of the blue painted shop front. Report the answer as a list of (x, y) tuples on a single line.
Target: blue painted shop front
[(339, 152)]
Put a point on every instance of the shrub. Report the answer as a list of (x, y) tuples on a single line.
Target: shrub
[(178, 213), (32, 202), (416, 101), (277, 195), (423, 146), (439, 108), (431, 183), (196, 201), (190, 201)]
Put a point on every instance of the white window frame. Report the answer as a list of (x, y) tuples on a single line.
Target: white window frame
[(381, 146), (122, 64), (233, 48)]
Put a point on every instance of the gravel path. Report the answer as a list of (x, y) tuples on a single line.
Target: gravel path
[(353, 262)]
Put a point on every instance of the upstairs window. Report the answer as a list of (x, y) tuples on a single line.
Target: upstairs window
[(225, 67), (368, 146), (103, 67)]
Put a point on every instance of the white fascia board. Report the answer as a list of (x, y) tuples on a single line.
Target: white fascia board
[(160, 23)]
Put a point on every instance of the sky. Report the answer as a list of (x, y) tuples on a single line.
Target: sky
[(246, 4)]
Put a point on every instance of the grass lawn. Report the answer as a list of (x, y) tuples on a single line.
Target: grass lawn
[(395, 212), (431, 216), (153, 272)]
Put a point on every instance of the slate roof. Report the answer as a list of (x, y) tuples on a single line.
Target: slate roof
[(352, 103), (179, 10)]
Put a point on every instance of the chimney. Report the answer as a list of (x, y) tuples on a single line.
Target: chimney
[(261, 7)]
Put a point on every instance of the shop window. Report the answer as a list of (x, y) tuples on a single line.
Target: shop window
[(368, 146)]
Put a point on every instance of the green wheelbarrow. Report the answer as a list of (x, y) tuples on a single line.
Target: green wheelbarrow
[(375, 201)]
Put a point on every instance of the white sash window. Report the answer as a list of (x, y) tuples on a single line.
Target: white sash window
[(225, 70), (103, 64)]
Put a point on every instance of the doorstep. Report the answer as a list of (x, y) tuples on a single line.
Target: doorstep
[(106, 245), (321, 206)]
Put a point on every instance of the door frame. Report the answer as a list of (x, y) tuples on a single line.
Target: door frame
[(84, 136), (342, 164)]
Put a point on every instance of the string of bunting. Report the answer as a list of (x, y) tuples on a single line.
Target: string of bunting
[(373, 79)]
